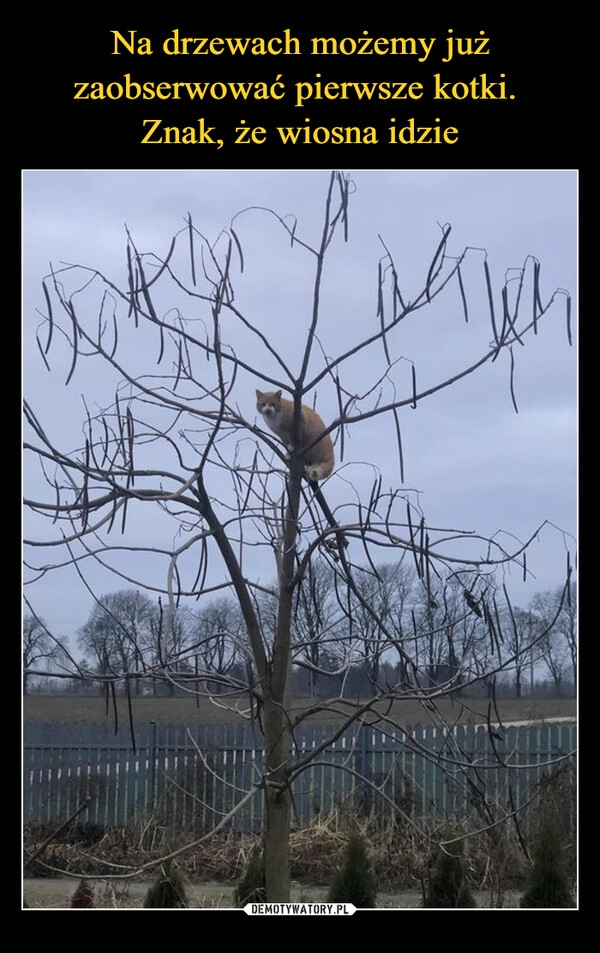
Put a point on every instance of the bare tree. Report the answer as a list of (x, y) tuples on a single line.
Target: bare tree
[(174, 440), (215, 633), (118, 634), (520, 635), (39, 647), (382, 595), (559, 646), (453, 620), (316, 624)]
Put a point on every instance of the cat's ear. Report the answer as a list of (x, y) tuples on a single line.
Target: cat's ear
[(278, 394), (259, 394)]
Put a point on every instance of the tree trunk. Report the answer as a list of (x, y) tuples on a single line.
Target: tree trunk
[(277, 730), (278, 803)]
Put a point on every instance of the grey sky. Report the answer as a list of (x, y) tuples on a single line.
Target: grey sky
[(476, 463)]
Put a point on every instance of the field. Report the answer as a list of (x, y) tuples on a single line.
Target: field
[(49, 708)]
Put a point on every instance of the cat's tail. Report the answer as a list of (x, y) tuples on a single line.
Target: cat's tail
[(340, 542)]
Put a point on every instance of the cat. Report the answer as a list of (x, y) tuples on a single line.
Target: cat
[(279, 413)]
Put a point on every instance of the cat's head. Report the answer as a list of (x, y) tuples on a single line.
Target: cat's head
[(268, 403)]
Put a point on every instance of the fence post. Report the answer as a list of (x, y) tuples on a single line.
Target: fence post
[(367, 751), (152, 766), (365, 738)]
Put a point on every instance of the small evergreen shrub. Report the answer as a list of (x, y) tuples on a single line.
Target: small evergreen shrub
[(355, 881), (449, 883), (252, 888), (168, 890), (548, 882), (83, 896)]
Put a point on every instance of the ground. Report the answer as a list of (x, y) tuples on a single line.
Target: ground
[(187, 711), (55, 893)]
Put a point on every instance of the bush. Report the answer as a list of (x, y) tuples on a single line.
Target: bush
[(83, 896), (449, 884), (252, 888), (168, 890), (548, 882), (354, 882), (557, 804)]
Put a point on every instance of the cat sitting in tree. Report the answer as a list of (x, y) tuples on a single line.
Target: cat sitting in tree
[(278, 414)]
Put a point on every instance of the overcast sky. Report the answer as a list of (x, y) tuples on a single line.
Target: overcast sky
[(475, 463)]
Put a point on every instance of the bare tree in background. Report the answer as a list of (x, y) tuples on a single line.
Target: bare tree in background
[(519, 635), (178, 341), (118, 634), (216, 638), (39, 646), (559, 645)]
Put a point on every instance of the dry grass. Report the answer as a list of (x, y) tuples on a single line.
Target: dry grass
[(399, 857)]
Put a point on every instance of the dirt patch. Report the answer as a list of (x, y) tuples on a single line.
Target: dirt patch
[(55, 894)]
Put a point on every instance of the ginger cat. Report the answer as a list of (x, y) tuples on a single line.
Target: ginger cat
[(278, 414)]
